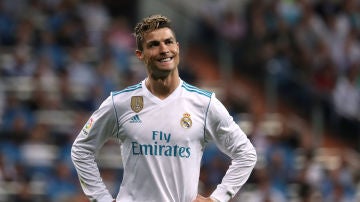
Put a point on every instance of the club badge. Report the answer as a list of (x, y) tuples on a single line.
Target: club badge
[(186, 121), (137, 103)]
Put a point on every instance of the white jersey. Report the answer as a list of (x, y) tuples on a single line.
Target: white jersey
[(162, 143)]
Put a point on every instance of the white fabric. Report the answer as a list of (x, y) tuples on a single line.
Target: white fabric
[(161, 158)]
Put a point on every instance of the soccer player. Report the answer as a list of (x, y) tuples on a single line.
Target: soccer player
[(163, 125)]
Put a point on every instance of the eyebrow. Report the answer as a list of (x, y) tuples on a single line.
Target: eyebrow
[(153, 41)]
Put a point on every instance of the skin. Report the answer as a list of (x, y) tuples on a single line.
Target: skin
[(163, 76), (160, 55)]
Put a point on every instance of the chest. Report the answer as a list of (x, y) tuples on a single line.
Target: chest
[(179, 122)]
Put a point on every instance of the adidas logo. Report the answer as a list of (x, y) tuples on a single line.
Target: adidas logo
[(135, 119)]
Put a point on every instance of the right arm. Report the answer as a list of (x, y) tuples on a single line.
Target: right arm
[(101, 126)]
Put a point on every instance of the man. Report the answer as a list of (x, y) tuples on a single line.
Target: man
[(163, 125)]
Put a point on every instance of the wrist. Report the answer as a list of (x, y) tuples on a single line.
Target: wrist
[(214, 199)]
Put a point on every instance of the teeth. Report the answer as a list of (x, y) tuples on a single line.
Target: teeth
[(165, 60)]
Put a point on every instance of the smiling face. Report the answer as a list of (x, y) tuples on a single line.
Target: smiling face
[(160, 53)]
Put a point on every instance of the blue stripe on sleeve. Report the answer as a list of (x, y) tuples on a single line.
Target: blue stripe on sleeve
[(192, 88), (128, 89)]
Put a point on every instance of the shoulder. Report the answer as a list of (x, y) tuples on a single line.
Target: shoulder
[(195, 91), (127, 90), (120, 99)]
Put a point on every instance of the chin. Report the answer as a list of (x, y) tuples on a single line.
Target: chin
[(160, 74)]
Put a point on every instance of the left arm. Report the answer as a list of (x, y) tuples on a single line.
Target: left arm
[(230, 139)]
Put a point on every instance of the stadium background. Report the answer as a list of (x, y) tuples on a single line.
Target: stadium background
[(288, 71)]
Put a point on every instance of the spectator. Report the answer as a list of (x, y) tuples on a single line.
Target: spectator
[(346, 100)]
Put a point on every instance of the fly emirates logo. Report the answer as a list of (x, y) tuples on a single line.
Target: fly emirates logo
[(161, 146)]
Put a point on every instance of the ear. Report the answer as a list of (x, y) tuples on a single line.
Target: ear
[(139, 54)]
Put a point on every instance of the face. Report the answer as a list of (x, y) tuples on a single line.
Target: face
[(160, 53)]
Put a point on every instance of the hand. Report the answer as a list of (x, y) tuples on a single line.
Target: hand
[(200, 198)]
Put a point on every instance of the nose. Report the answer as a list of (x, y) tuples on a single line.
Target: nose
[(163, 48)]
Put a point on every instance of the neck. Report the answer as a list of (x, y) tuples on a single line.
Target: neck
[(162, 88)]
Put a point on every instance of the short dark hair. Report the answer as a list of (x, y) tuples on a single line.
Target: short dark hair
[(149, 24)]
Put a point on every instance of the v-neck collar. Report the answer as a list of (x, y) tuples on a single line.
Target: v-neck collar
[(155, 99)]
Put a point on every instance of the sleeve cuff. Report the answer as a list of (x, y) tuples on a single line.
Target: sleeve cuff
[(221, 195), (105, 198)]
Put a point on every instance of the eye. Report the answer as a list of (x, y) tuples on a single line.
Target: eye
[(169, 41), (153, 44)]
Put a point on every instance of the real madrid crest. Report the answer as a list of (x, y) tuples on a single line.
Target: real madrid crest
[(137, 103), (186, 121)]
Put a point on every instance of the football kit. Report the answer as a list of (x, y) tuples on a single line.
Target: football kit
[(162, 143)]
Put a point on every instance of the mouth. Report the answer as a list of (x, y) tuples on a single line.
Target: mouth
[(164, 60)]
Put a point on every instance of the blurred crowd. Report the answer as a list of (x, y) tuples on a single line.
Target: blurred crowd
[(308, 49), (60, 58)]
